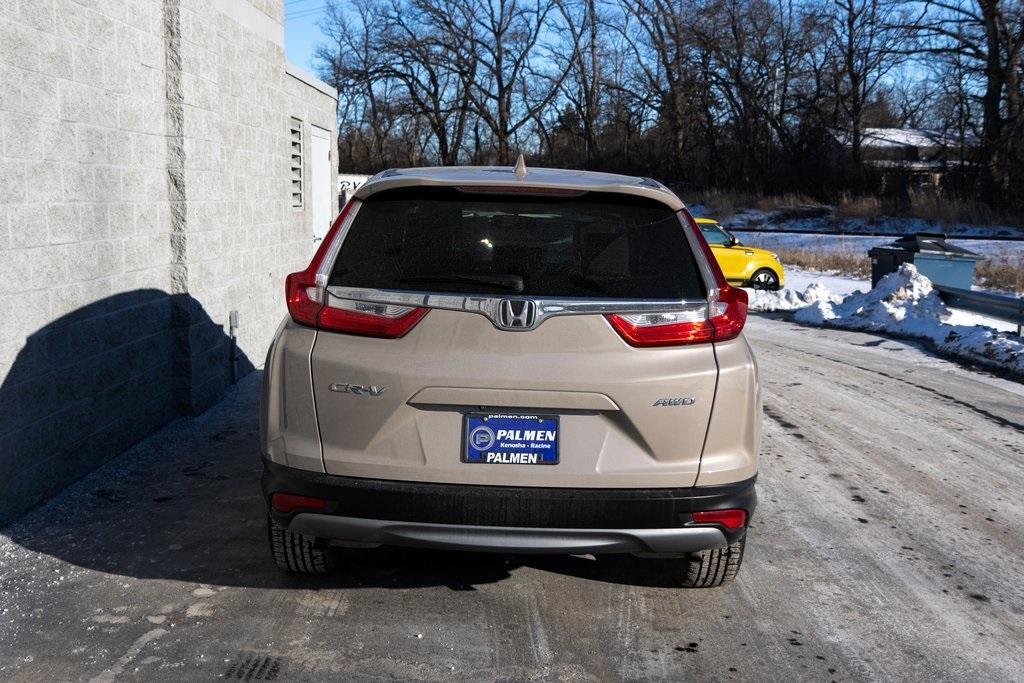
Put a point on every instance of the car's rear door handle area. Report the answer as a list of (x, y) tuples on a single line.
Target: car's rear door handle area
[(512, 398)]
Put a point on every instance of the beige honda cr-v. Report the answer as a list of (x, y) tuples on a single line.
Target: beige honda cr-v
[(512, 360)]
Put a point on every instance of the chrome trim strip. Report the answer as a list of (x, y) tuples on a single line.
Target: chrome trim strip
[(490, 305)]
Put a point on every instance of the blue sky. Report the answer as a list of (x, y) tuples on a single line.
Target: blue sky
[(301, 33)]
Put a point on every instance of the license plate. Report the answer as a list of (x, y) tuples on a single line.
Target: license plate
[(503, 439)]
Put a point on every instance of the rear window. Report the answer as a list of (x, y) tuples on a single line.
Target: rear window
[(597, 245)]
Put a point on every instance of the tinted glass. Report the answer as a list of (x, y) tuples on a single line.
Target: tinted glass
[(713, 234), (597, 245)]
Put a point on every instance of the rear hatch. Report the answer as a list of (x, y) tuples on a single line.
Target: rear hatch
[(555, 339)]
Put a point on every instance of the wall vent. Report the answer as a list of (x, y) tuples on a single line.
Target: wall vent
[(295, 142)]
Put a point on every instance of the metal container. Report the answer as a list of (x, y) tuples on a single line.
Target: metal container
[(942, 263)]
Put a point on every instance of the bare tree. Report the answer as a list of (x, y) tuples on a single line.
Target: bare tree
[(501, 38), (352, 63), (987, 38), (417, 42), (743, 93), (582, 86), (871, 37), (656, 33)]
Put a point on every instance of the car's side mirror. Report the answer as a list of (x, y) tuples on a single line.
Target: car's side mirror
[(732, 242)]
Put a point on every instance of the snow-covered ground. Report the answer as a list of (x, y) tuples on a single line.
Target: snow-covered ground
[(820, 219), (859, 246), (791, 298), (902, 304), (800, 279)]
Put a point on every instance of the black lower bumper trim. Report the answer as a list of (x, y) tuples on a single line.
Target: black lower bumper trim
[(506, 539), (512, 506)]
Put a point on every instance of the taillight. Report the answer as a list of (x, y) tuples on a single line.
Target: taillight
[(300, 292), (369, 320), (305, 296), (300, 289), (720, 320), (286, 502), (727, 313), (664, 329), (731, 519)]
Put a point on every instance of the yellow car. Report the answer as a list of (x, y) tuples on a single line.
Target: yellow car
[(742, 265)]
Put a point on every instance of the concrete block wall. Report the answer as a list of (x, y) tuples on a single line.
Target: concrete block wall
[(84, 310), (143, 195), (243, 235)]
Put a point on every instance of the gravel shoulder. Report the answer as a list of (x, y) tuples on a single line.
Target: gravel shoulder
[(889, 543)]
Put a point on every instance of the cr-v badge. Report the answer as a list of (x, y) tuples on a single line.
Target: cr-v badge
[(357, 389)]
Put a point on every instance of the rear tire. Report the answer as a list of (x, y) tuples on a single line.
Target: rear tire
[(766, 279), (298, 553), (710, 568)]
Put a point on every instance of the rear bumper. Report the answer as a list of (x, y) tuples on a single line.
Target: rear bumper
[(507, 519), (506, 539)]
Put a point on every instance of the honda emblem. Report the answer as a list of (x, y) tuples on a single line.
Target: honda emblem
[(517, 314)]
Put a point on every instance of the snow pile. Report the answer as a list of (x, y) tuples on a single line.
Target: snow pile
[(789, 299), (904, 304), (904, 298)]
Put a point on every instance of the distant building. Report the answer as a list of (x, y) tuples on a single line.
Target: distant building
[(914, 156), (347, 186)]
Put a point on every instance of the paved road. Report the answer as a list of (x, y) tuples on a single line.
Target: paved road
[(889, 544)]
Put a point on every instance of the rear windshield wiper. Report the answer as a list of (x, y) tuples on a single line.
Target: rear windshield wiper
[(587, 283), (510, 282)]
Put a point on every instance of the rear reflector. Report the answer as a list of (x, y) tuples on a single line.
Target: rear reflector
[(730, 519), (369, 320), (286, 502)]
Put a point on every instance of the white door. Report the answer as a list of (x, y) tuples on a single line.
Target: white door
[(320, 183)]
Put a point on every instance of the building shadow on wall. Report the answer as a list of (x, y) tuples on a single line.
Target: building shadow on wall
[(88, 385), (184, 503)]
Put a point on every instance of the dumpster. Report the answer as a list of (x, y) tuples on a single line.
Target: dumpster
[(941, 262)]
